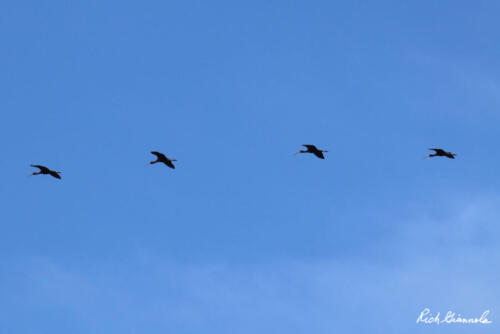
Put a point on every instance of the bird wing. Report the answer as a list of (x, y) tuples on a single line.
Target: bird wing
[(159, 155), (55, 174), (310, 147), (438, 150), (41, 168), (170, 164), (319, 154), (450, 155)]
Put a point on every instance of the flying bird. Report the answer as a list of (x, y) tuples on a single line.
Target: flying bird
[(314, 150), (162, 158), (441, 153), (45, 170)]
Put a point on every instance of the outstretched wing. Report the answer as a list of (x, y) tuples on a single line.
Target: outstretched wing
[(55, 174), (160, 156), (169, 163), (42, 169), (319, 154), (450, 155), (438, 150), (310, 147)]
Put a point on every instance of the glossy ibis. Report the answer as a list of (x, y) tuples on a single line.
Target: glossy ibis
[(314, 150), (162, 158), (45, 170), (441, 153)]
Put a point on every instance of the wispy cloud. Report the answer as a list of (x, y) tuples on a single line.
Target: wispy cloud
[(446, 263)]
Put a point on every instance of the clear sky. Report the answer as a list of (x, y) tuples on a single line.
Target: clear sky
[(244, 236)]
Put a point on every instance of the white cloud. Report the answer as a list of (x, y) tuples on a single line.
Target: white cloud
[(446, 267)]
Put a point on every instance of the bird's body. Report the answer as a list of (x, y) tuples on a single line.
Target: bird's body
[(45, 170), (314, 150), (441, 153), (162, 158)]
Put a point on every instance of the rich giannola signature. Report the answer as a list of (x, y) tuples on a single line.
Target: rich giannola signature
[(426, 317)]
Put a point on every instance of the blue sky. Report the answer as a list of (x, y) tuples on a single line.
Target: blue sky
[(243, 236)]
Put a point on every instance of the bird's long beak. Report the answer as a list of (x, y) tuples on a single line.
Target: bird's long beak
[(149, 163), (30, 175)]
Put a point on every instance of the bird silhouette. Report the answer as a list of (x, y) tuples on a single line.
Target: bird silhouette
[(45, 170), (441, 153), (162, 158), (314, 150)]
